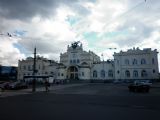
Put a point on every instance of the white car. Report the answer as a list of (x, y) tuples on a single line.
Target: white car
[(143, 82)]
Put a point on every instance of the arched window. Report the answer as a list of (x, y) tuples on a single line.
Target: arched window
[(110, 73), (126, 61), (143, 73), (95, 74), (143, 61), (135, 73), (127, 73), (134, 62), (102, 73)]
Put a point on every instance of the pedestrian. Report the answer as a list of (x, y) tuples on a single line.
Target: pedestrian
[(47, 85)]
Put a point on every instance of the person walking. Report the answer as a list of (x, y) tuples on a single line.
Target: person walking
[(47, 85)]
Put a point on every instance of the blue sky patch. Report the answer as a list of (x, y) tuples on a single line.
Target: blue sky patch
[(116, 33), (20, 32), (72, 20), (20, 48)]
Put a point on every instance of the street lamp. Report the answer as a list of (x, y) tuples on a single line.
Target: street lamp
[(34, 72)]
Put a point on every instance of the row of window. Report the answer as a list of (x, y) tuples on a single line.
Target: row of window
[(74, 61), (46, 73), (102, 74), (143, 73), (30, 67), (135, 61)]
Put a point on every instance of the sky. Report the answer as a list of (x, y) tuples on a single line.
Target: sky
[(51, 25)]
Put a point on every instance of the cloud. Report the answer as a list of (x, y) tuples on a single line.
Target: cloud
[(9, 55), (51, 25)]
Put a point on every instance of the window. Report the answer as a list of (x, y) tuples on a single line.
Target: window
[(62, 74), (77, 60), (127, 73), (24, 67), (102, 73), (153, 61), (51, 73), (73, 55), (143, 73), (118, 62), (70, 61), (126, 61), (46, 73), (29, 67), (74, 61), (110, 73), (135, 73), (95, 74), (154, 71), (143, 61), (39, 67), (134, 62), (43, 67), (82, 73), (58, 74), (118, 71)]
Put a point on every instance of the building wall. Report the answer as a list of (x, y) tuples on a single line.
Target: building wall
[(136, 60), (44, 67), (61, 73), (103, 71), (127, 65), (84, 73)]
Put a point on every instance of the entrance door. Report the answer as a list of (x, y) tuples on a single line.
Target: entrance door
[(73, 72)]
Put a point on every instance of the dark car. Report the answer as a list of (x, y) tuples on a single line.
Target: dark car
[(18, 85), (5, 85), (139, 86)]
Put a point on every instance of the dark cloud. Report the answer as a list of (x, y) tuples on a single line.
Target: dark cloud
[(25, 9)]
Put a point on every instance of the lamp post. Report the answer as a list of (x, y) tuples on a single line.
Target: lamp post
[(34, 72)]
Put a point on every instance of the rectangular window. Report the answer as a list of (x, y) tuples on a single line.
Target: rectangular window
[(24, 67), (77, 60), (29, 67), (74, 61), (82, 73)]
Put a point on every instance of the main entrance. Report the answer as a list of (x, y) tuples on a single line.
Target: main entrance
[(72, 72)]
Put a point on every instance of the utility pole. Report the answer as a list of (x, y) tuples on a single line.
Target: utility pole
[(34, 72)]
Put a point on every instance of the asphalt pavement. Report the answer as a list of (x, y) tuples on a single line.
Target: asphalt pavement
[(82, 102)]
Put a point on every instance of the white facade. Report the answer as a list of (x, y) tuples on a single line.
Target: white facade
[(136, 64), (77, 64), (44, 67)]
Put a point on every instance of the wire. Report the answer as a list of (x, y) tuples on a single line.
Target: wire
[(123, 14)]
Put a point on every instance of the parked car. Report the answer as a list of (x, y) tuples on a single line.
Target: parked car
[(140, 86), (5, 85), (18, 85)]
